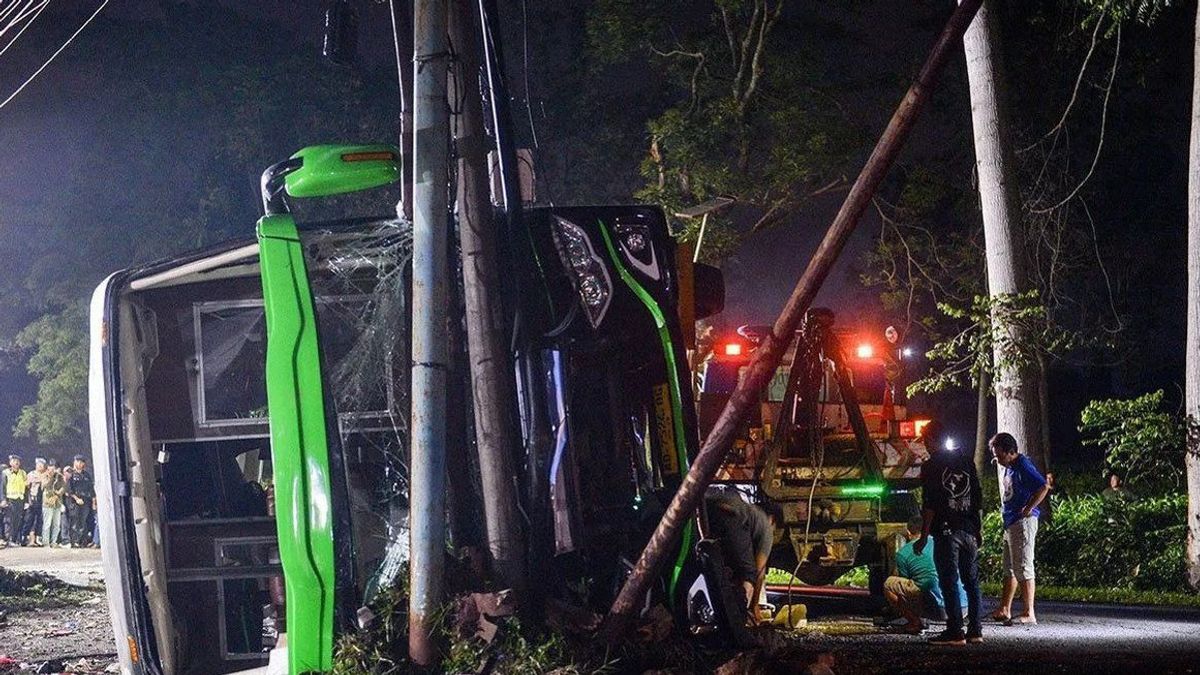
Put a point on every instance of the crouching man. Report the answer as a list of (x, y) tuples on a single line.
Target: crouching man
[(915, 591), (747, 534)]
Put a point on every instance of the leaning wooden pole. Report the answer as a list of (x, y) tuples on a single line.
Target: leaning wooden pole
[(767, 357), (493, 387)]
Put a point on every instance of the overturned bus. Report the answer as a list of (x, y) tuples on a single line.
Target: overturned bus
[(249, 420)]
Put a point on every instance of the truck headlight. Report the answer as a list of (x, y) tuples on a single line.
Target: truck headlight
[(588, 274)]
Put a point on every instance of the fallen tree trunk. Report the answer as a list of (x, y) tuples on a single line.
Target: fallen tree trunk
[(766, 358)]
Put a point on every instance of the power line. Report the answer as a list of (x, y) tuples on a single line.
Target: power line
[(21, 15), (42, 8), (400, 87), (53, 56), (525, 70), (12, 7)]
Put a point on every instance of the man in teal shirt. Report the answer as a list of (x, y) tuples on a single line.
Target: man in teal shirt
[(914, 591)]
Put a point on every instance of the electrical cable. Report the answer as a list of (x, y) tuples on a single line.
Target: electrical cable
[(54, 55), (41, 8), (400, 88), (7, 15), (525, 69), (812, 490)]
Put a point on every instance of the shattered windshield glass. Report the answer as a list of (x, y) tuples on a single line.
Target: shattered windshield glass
[(359, 277)]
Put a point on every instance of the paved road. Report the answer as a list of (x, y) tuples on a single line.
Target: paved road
[(1070, 638), (79, 567)]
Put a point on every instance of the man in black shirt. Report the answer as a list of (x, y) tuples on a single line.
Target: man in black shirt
[(952, 500), (747, 533), (81, 492)]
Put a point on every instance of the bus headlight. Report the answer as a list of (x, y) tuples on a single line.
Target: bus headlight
[(588, 274)]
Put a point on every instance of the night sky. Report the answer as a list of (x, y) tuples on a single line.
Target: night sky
[(77, 166)]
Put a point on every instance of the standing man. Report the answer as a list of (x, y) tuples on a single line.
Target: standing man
[(13, 484), (54, 491), (80, 490), (952, 500), (68, 509), (31, 530), (1023, 490)]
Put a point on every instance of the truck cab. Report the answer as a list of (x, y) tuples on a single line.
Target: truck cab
[(831, 441)]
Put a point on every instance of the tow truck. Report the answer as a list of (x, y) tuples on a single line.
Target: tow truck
[(831, 442)]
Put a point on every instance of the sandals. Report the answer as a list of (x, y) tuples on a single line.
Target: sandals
[(1021, 621), (1000, 618)]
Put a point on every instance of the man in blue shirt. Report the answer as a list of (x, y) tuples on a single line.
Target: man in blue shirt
[(1022, 489), (915, 590)]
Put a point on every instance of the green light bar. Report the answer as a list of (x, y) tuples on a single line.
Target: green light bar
[(864, 490)]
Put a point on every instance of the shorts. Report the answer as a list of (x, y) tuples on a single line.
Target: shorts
[(913, 599), (1018, 548)]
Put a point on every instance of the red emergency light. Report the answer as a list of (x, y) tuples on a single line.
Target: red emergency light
[(912, 428), (732, 349), (865, 351)]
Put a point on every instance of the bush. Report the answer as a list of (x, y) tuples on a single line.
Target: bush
[(1141, 441), (1093, 542)]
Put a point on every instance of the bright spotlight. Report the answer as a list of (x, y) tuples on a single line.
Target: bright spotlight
[(865, 351), (907, 351), (951, 444)]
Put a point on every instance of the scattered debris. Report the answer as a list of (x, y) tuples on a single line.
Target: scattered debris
[(483, 611), (656, 626)]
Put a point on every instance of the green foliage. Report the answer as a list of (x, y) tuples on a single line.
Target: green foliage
[(1004, 332), (381, 649), (742, 120), (515, 654), (59, 360), (1142, 11), (858, 577), (778, 577), (1140, 440), (1092, 542)]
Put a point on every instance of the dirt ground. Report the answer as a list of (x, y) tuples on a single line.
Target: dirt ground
[(57, 622), (63, 620)]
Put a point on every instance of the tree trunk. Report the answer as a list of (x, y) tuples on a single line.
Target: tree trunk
[(1192, 367), (981, 423), (1017, 408), (492, 385), (1043, 381)]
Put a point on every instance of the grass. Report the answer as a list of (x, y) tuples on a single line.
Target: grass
[(778, 577), (1109, 596)]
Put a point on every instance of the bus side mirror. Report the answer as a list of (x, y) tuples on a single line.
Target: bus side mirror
[(710, 290), (327, 170)]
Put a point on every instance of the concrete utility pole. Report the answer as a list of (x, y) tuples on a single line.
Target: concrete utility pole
[(766, 358), (492, 380), (1018, 411), (430, 360)]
